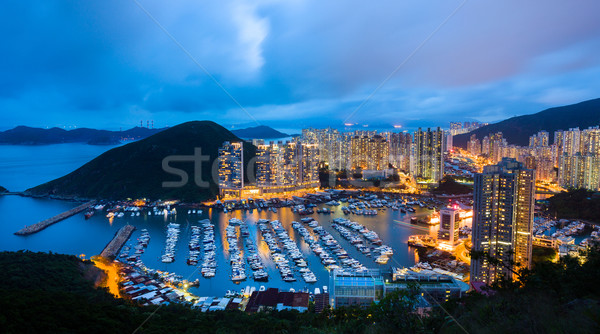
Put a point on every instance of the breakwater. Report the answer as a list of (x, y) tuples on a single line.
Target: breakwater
[(114, 246), (45, 223)]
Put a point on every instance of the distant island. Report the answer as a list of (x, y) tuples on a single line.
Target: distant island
[(517, 130), (3, 190), (24, 135), (136, 170), (259, 132)]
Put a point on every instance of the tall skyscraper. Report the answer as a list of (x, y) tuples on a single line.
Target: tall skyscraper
[(400, 149), (502, 220), (579, 160), (474, 145), (231, 171), (428, 154)]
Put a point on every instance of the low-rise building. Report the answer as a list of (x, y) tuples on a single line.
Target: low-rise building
[(362, 288)]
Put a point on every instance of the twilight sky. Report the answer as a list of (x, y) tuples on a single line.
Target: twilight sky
[(293, 63)]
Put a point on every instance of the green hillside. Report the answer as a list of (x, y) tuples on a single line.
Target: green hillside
[(136, 170), (52, 293), (517, 130)]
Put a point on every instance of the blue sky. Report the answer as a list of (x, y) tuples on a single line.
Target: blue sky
[(292, 64)]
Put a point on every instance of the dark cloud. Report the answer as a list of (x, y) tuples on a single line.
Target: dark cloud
[(106, 64)]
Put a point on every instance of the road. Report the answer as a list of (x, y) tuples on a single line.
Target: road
[(462, 254)]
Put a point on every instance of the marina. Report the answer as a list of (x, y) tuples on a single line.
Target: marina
[(325, 250)]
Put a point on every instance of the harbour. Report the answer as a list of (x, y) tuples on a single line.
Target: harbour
[(78, 236)]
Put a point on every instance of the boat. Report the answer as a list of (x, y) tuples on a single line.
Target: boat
[(382, 259), (89, 214)]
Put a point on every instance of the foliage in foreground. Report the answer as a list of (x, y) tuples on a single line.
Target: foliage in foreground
[(48, 293)]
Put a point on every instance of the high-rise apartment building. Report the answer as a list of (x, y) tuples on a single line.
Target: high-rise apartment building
[(428, 154), (502, 220), (579, 158), (400, 149), (286, 164), (474, 145), (231, 170)]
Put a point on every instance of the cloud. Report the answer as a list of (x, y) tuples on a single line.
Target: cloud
[(106, 64)]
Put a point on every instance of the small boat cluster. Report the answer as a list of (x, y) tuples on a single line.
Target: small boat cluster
[(252, 257), (170, 243), (361, 208), (112, 214), (194, 212), (209, 261), (140, 247), (157, 211), (325, 211), (194, 246), (422, 241), (238, 271), (383, 252), (293, 252), (304, 209), (281, 262), (328, 242)]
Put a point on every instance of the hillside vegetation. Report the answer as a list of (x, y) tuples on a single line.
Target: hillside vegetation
[(517, 130), (136, 170), (49, 293), (575, 204)]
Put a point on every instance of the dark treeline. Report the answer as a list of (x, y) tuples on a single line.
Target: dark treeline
[(575, 204), (49, 293)]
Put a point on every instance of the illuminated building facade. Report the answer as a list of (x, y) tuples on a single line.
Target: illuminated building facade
[(231, 170), (428, 154), (449, 228), (286, 166), (502, 220), (474, 145), (579, 160), (400, 149)]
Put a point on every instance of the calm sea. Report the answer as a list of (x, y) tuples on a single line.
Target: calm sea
[(22, 167)]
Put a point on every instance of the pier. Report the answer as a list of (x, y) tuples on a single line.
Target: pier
[(45, 223), (115, 245)]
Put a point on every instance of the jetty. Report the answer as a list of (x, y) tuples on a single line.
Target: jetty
[(45, 223), (114, 246)]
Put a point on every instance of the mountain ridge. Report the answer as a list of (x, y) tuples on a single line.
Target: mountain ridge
[(259, 132), (25, 135), (135, 170), (518, 129)]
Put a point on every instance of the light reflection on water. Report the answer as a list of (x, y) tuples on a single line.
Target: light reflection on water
[(77, 235)]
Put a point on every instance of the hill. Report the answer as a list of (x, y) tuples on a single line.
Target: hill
[(136, 170), (575, 204), (24, 135), (517, 130), (259, 132), (3, 190), (449, 186), (42, 291)]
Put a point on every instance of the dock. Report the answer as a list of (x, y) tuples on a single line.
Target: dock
[(45, 223), (114, 246)]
